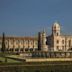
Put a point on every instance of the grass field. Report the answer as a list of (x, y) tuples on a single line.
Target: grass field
[(4, 58), (13, 63), (51, 66), (37, 67), (8, 60)]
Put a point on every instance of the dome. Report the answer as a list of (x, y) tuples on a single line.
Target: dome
[(56, 28), (56, 24)]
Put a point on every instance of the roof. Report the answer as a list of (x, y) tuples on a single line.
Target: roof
[(56, 24), (16, 37)]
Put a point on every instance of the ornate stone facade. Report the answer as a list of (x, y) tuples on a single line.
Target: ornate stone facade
[(21, 44), (57, 41), (54, 42)]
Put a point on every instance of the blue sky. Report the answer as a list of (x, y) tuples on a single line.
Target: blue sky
[(27, 17)]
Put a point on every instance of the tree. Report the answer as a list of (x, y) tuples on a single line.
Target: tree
[(3, 43), (39, 41)]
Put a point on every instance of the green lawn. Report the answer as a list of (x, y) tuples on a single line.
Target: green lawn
[(12, 61), (3, 60), (36, 67)]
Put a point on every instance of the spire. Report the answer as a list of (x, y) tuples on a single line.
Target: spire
[(44, 30)]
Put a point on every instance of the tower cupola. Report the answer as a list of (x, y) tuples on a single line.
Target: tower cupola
[(56, 29)]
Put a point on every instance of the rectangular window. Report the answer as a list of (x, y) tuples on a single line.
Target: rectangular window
[(69, 43), (62, 41), (57, 41)]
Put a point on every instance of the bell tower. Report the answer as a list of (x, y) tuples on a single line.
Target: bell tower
[(56, 29)]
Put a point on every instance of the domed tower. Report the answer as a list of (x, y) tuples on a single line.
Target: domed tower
[(42, 41), (56, 29)]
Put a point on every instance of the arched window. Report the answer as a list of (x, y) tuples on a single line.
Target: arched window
[(31, 49), (26, 49), (16, 49), (11, 49), (21, 41), (21, 49)]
